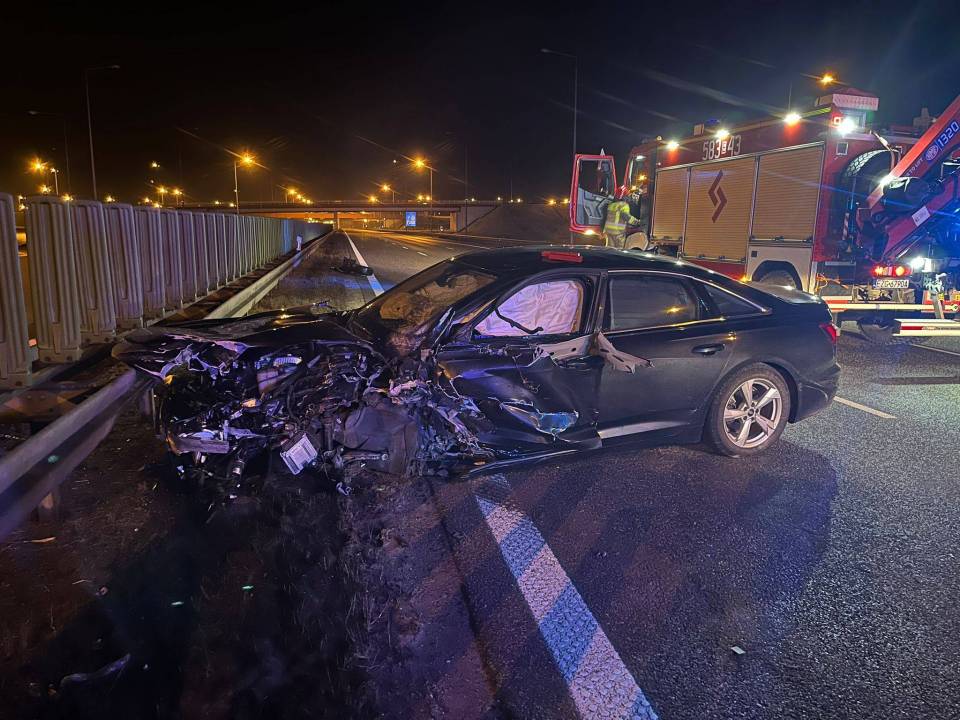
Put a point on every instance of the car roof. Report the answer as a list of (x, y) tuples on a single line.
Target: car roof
[(531, 259)]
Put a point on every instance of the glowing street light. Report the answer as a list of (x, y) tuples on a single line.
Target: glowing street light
[(154, 165), (387, 189), (44, 189), (551, 201), (247, 160), (372, 198), (39, 166), (827, 79), (672, 145), (109, 199), (66, 197), (420, 164)]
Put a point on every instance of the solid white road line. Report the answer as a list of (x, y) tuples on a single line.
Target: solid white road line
[(936, 349), (372, 279), (858, 406)]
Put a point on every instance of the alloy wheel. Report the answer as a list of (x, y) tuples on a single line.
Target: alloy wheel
[(752, 413)]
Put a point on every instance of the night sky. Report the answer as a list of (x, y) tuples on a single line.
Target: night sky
[(327, 98)]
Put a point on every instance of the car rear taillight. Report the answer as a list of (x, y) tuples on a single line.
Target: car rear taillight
[(831, 331), (895, 271)]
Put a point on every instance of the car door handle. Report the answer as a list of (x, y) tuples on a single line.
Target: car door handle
[(711, 349)]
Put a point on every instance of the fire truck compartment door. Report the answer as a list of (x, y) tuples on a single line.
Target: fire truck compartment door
[(670, 203), (594, 183), (718, 215), (788, 189)]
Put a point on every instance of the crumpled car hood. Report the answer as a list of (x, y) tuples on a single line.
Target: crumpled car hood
[(213, 344)]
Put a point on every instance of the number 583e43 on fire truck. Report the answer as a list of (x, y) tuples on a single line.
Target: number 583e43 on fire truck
[(867, 218)]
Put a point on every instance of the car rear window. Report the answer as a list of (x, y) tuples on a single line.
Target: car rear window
[(644, 301), (728, 304)]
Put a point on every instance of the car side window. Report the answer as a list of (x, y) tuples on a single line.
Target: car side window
[(728, 304), (548, 308), (646, 301)]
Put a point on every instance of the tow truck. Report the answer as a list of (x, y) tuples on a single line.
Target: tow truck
[(868, 218)]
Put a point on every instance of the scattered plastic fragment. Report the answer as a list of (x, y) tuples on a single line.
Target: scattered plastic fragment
[(111, 670), (737, 650), (103, 591), (53, 459), (43, 541), (176, 603), (247, 588)]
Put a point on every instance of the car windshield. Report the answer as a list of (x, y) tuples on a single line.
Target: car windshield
[(423, 297)]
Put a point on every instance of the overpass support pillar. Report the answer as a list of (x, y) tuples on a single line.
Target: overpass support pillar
[(336, 220)]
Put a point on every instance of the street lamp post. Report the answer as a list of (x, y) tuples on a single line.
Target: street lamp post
[(86, 87), (420, 164), (66, 143), (246, 159), (38, 166)]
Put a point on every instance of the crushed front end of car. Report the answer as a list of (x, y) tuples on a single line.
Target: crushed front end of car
[(300, 385)]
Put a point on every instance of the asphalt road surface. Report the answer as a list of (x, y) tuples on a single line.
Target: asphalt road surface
[(819, 580)]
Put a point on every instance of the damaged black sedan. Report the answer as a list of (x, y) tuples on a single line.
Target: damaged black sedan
[(491, 358)]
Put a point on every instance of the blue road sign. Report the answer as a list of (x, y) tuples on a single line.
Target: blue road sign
[(411, 220)]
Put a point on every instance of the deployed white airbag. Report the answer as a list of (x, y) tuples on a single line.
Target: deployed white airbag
[(554, 307)]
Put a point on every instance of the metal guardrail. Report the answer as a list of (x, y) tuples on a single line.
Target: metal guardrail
[(96, 269), (36, 467)]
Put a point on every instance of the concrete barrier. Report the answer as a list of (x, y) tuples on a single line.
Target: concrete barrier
[(220, 230), (188, 255), (173, 272), (149, 234), (204, 279), (53, 279), (16, 355), (125, 251), (98, 306), (231, 234)]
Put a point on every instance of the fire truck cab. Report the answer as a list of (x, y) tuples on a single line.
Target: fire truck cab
[(817, 200)]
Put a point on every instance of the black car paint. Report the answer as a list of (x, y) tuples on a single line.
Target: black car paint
[(669, 401), (524, 391)]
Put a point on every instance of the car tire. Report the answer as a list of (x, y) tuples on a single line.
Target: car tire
[(880, 333), (764, 414), (779, 277)]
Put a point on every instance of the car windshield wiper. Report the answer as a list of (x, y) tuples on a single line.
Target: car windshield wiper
[(515, 324)]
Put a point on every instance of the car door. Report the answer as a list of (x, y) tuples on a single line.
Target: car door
[(662, 318), (526, 362), (594, 183)]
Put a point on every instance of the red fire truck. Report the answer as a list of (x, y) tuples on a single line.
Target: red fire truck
[(867, 218)]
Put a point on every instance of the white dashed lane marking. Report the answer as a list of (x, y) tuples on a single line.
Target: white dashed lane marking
[(864, 408), (372, 279), (599, 683)]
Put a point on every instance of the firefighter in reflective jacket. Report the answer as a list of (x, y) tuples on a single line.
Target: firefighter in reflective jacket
[(616, 222)]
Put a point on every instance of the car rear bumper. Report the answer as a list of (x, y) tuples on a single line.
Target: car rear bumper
[(815, 395)]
